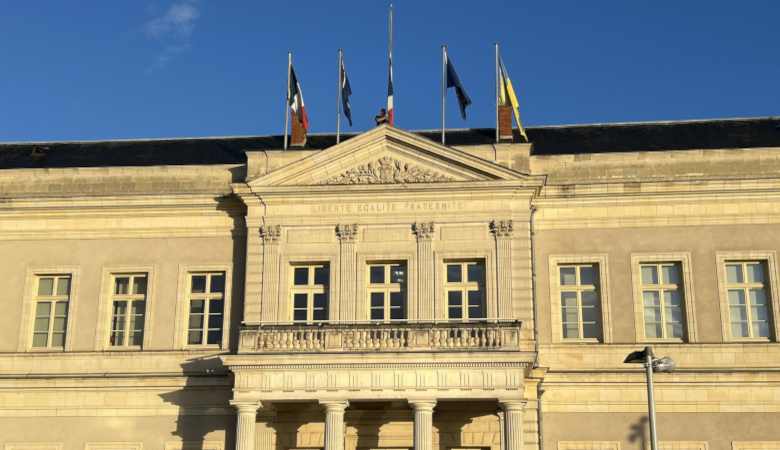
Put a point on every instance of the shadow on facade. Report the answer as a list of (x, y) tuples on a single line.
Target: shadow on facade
[(203, 404), (639, 432)]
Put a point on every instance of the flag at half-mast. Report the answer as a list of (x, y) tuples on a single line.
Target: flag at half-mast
[(346, 91), (295, 99), (507, 97)]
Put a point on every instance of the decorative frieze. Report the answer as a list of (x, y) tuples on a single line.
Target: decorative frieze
[(387, 170)]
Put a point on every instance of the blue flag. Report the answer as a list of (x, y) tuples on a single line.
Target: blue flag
[(454, 81), (346, 91)]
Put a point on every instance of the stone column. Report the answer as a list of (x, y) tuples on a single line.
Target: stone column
[(271, 235), (334, 424), (245, 425), (513, 424), (425, 280), (347, 234), (423, 424), (502, 230), (500, 415)]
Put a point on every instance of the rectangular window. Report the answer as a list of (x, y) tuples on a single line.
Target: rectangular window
[(387, 291), (51, 311), (206, 300), (128, 310), (464, 286), (579, 301), (747, 297), (310, 293), (661, 301)]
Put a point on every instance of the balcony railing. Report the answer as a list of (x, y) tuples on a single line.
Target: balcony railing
[(378, 337)]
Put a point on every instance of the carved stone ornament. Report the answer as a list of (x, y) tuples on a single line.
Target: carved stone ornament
[(347, 233), (502, 228), (423, 230), (271, 234), (387, 170)]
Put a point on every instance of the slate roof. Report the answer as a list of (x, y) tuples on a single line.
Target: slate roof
[(556, 140)]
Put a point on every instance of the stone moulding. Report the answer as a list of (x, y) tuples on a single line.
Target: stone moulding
[(387, 170), (294, 338)]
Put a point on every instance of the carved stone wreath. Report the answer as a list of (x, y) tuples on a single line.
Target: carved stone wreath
[(387, 170)]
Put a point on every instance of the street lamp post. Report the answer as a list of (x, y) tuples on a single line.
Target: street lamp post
[(652, 364)]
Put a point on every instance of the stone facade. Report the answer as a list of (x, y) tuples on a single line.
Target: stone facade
[(389, 292)]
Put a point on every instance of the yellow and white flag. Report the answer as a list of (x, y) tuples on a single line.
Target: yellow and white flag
[(507, 97)]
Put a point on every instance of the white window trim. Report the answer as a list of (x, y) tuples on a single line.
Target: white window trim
[(386, 289), (464, 287), (686, 288), (770, 258), (24, 344), (555, 296), (440, 277), (182, 305), (103, 329), (409, 259), (284, 313)]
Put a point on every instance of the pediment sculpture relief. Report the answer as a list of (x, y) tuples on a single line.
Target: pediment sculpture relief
[(388, 170)]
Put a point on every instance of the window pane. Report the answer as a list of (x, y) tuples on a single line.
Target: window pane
[(139, 285), (653, 331), (215, 337), (737, 297), (570, 331), (217, 284), (590, 331), (320, 301), (60, 308), (568, 276), (569, 315), (757, 297), (669, 275), (58, 340), (398, 274), (454, 274), (216, 306), (455, 313), (197, 306), (377, 299), (739, 330), (196, 321), (761, 329), (300, 301), (40, 339), (377, 314), (59, 324), (569, 299), (476, 312), (652, 314), (320, 314), (734, 273), (649, 275), (738, 313), (475, 273), (63, 286), (45, 286), (651, 298), (137, 323), (671, 298), (301, 276), (755, 273), (377, 274), (120, 307), (674, 330), (396, 299), (589, 298), (673, 314), (455, 298), (475, 298), (322, 275), (198, 284), (42, 324), (299, 315), (588, 276), (43, 308), (136, 338), (121, 285), (397, 314), (215, 321), (195, 337), (590, 315), (117, 339)]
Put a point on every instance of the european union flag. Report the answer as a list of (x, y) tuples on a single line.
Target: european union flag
[(346, 91), (454, 81)]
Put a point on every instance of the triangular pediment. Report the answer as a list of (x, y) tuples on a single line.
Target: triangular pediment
[(386, 155)]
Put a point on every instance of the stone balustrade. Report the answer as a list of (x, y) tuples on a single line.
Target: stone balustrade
[(377, 337)]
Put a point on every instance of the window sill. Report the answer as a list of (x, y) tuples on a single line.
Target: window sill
[(664, 341), (134, 348), (203, 347), (580, 341), (46, 349), (749, 340)]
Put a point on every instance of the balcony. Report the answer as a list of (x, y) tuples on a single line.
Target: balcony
[(380, 337)]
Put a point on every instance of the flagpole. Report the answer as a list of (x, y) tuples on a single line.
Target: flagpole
[(497, 94), (443, 87), (391, 60), (287, 103), (338, 105)]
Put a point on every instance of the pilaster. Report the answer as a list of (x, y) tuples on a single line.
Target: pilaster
[(424, 231), (271, 235), (347, 234), (503, 231)]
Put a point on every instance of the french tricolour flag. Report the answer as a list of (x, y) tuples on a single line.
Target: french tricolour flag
[(295, 99), (390, 95)]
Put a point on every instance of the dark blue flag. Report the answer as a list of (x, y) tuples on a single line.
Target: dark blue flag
[(454, 81), (346, 91)]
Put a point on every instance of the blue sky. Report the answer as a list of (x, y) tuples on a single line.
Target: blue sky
[(89, 70)]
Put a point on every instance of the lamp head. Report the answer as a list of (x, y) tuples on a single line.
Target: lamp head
[(664, 365), (639, 356)]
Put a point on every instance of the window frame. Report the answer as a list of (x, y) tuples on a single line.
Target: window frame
[(768, 258), (464, 287), (387, 288), (685, 275), (605, 316), (105, 306), (26, 328), (578, 289), (207, 297), (310, 290), (181, 336), (53, 299)]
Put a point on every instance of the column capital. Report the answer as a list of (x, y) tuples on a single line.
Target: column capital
[(271, 234), (423, 230), (335, 405), (502, 228), (245, 407), (513, 405), (500, 415), (347, 233), (422, 405)]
